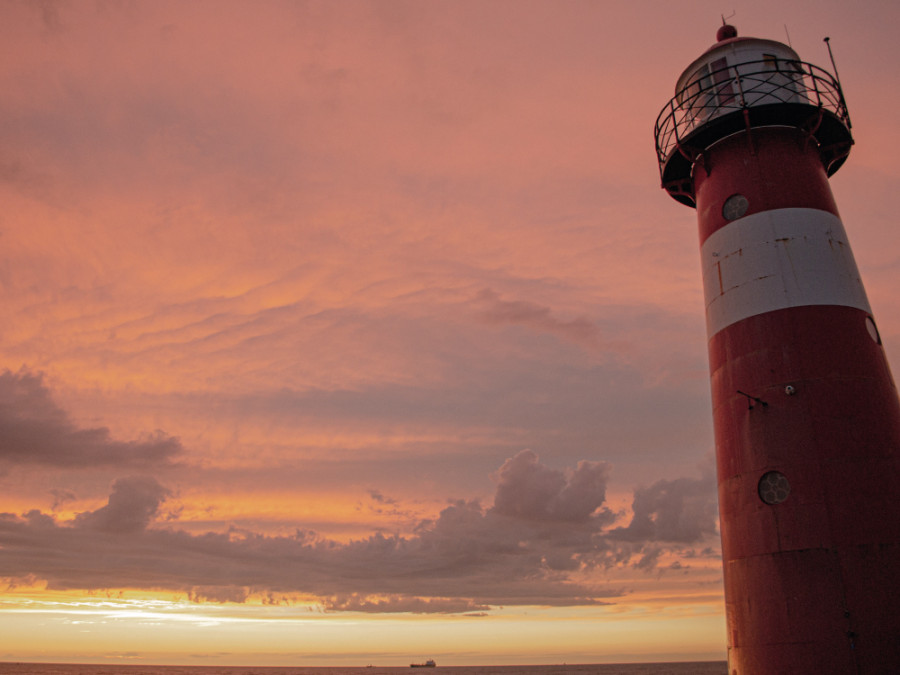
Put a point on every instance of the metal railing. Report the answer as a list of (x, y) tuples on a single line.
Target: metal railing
[(740, 87)]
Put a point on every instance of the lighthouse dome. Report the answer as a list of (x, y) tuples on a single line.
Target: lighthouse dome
[(726, 32)]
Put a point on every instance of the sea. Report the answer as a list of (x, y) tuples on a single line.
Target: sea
[(682, 668)]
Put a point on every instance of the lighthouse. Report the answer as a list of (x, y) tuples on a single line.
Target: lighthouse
[(805, 410)]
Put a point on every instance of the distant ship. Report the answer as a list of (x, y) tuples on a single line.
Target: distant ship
[(428, 664)]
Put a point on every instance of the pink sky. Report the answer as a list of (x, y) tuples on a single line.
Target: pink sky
[(368, 323)]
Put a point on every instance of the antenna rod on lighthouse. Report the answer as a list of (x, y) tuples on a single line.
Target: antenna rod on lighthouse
[(831, 56), (838, 78)]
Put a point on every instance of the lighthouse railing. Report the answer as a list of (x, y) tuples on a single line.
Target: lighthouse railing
[(737, 87)]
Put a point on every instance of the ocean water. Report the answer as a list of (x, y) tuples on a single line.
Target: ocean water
[(693, 668)]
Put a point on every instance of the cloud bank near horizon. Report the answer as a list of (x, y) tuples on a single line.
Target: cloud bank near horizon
[(548, 537)]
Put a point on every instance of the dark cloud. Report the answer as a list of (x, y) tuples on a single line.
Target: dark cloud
[(35, 431), (133, 503), (682, 510), (61, 497), (649, 558), (380, 498), (528, 489), (539, 543)]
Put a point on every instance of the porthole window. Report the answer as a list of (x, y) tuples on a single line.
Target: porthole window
[(735, 207), (873, 330), (774, 487)]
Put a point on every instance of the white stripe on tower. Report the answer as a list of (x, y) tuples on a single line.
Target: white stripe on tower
[(778, 259)]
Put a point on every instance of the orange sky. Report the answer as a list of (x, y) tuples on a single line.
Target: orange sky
[(362, 332)]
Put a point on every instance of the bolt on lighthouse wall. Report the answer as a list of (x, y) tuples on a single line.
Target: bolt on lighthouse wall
[(805, 410)]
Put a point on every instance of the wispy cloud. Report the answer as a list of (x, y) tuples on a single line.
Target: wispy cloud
[(525, 313)]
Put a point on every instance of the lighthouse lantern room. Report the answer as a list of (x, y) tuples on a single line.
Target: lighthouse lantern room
[(740, 83)]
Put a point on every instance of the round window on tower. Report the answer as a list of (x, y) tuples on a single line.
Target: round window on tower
[(774, 487), (735, 207), (873, 330)]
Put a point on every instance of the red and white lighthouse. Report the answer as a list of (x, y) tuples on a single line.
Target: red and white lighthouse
[(806, 414)]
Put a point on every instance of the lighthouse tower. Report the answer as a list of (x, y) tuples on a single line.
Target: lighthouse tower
[(806, 414)]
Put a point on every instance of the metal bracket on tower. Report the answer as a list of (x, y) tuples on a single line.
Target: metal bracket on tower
[(810, 127), (752, 399)]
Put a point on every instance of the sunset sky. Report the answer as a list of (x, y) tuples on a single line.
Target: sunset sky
[(349, 332)]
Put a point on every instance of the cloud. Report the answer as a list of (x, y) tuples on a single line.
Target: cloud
[(61, 497), (682, 510), (133, 504), (380, 498), (35, 431), (49, 11), (541, 542), (528, 489), (524, 313), (220, 594), (395, 604)]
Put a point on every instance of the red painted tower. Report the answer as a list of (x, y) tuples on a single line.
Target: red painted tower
[(806, 414)]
